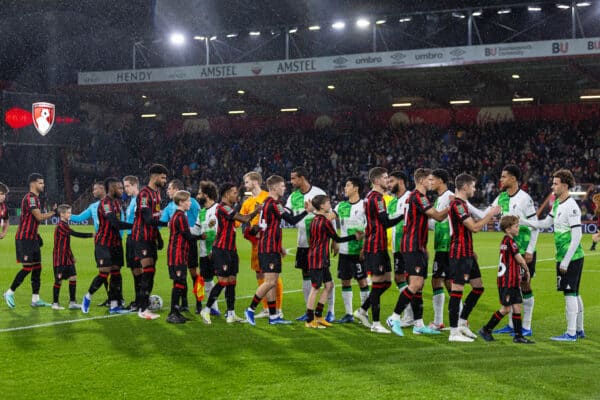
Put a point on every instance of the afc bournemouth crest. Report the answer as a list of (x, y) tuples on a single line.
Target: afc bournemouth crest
[(43, 117)]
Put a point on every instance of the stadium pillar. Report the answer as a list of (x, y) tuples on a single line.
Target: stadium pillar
[(287, 44), (207, 46), (470, 29), (573, 21), (374, 38)]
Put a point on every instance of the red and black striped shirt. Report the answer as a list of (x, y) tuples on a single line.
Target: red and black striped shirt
[(414, 237), (61, 254), (28, 226), (3, 211), (375, 232), (461, 238), (107, 234), (179, 246), (509, 271), (321, 230), (147, 200), (225, 239), (269, 240)]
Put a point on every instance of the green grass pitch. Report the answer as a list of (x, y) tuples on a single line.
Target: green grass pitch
[(127, 357)]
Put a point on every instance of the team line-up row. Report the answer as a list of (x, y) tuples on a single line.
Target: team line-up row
[(203, 232)]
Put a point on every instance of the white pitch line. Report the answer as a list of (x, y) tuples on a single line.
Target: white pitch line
[(69, 321)]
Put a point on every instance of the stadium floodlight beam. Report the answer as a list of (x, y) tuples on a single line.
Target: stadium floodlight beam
[(583, 4), (563, 6), (148, 115), (504, 11), (590, 97), (534, 8), (330, 87), (177, 39), (293, 30), (516, 76), (314, 28), (234, 112), (477, 13), (522, 99), (213, 37), (199, 37), (291, 109), (458, 15), (254, 33), (189, 114), (398, 105), (456, 102), (241, 91), (232, 35), (380, 22), (338, 25), (405, 19), (363, 23)]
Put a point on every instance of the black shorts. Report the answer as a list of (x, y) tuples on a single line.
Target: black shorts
[(63, 272), (28, 251), (350, 266), (108, 256), (225, 262), (510, 296), (207, 271), (269, 263), (399, 266), (130, 253), (569, 281), (319, 276), (416, 263), (378, 263), (193, 255), (441, 265), (302, 259), (463, 269), (181, 269), (531, 266), (145, 249)]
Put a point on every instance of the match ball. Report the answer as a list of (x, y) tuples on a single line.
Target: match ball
[(155, 303)]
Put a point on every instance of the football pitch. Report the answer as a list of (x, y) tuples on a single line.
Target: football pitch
[(65, 354)]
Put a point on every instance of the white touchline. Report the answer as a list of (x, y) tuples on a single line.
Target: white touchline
[(69, 321)]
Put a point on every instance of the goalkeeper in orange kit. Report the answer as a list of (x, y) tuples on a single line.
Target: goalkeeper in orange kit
[(252, 182)]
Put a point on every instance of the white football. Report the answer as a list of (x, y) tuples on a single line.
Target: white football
[(156, 303)]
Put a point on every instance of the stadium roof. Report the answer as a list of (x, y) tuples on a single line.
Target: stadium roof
[(548, 81)]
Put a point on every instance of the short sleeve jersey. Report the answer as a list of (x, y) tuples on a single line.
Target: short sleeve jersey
[(521, 205), (509, 271), (416, 223), (295, 202), (28, 225), (351, 219), (566, 215)]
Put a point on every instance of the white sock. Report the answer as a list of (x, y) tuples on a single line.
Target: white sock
[(438, 308), (347, 298), (407, 314), (306, 286), (419, 323), (510, 323), (88, 296), (114, 303), (571, 311), (579, 313), (331, 301), (208, 286), (364, 295), (9, 292), (528, 312), (35, 297)]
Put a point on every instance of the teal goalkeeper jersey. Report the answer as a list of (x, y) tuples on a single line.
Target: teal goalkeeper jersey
[(567, 216), (351, 219)]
